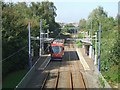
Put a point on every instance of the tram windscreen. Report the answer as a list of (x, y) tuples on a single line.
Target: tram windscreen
[(56, 49)]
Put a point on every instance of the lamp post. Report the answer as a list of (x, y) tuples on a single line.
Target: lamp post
[(95, 48), (91, 46), (90, 30), (40, 37), (99, 39), (29, 45)]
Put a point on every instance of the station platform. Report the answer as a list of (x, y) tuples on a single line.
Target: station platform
[(91, 73)]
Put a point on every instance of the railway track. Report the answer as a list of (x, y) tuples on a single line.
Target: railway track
[(68, 73), (64, 79), (65, 73)]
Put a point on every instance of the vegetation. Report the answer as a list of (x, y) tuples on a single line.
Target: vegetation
[(15, 18), (69, 28), (81, 35), (102, 83), (110, 43), (82, 24), (13, 79), (79, 44)]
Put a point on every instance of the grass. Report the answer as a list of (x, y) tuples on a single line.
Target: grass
[(102, 83), (112, 76), (13, 79), (108, 58)]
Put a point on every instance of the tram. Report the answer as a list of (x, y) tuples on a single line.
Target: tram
[(57, 49)]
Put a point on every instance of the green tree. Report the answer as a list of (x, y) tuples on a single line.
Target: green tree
[(110, 41), (96, 17), (46, 11), (15, 18), (69, 28), (82, 24), (14, 37)]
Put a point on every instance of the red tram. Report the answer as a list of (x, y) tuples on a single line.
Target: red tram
[(57, 49)]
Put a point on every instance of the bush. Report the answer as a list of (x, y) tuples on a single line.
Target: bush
[(79, 44), (80, 35)]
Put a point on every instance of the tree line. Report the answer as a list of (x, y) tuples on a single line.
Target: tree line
[(110, 42), (15, 18)]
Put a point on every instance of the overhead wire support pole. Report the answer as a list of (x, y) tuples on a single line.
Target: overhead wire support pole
[(99, 38), (91, 31), (91, 46), (40, 37), (86, 26), (95, 48), (29, 45)]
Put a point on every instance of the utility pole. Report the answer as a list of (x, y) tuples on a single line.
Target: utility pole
[(86, 29), (95, 62), (99, 38), (40, 37), (29, 45), (91, 46), (91, 32)]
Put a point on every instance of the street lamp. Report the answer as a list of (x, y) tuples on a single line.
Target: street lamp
[(29, 45), (99, 39), (40, 37), (95, 62)]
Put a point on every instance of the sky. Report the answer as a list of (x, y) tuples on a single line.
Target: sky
[(71, 11), (74, 11)]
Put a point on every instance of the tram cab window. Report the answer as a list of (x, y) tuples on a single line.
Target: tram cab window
[(56, 49)]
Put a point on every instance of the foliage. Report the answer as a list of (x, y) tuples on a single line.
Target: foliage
[(13, 79), (82, 24), (113, 78), (110, 42), (96, 17), (81, 35), (102, 83), (14, 37), (69, 28), (79, 44), (15, 18)]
